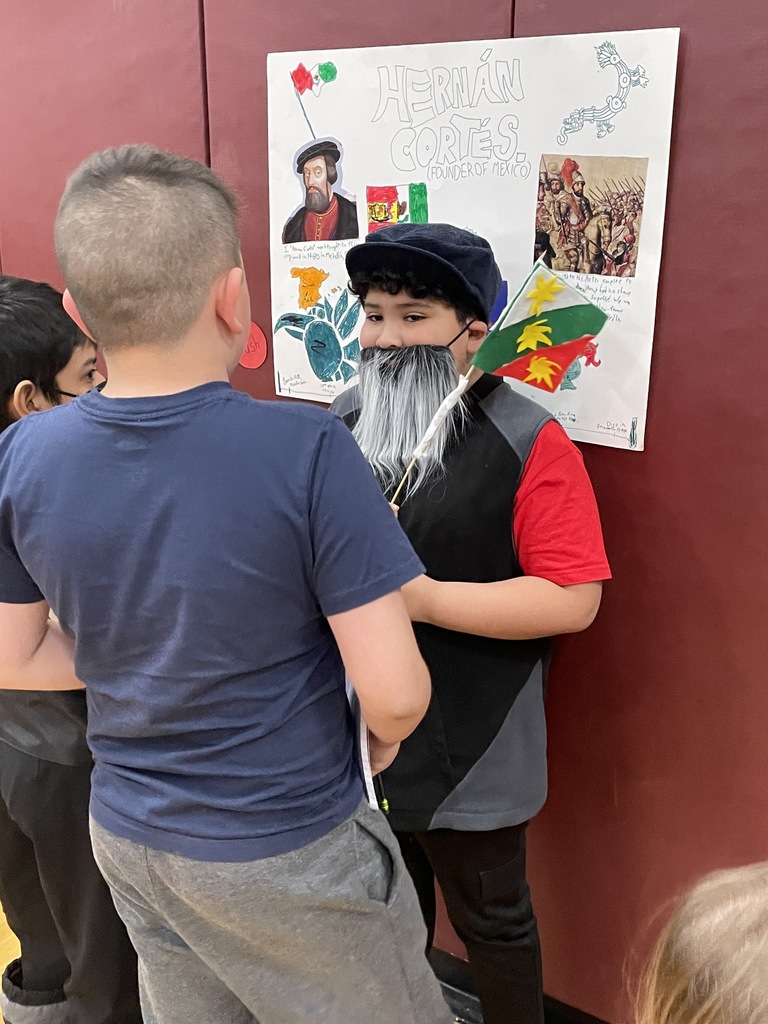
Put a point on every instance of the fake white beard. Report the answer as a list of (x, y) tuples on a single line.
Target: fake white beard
[(400, 390)]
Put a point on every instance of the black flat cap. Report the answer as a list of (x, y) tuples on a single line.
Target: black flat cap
[(322, 148), (437, 253)]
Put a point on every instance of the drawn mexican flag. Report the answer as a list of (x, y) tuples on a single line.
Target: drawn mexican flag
[(545, 328), (313, 79)]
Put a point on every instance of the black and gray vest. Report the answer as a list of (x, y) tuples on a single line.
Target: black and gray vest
[(478, 759)]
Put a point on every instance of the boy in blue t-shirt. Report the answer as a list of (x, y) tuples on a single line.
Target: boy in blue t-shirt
[(216, 565), (76, 961)]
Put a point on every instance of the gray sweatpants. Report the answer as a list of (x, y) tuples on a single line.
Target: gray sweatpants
[(330, 933)]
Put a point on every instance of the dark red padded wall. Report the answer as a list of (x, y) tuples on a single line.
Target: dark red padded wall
[(79, 77), (239, 35), (659, 714)]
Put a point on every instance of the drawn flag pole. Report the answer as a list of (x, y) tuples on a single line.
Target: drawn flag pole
[(313, 81), (301, 104), (544, 328)]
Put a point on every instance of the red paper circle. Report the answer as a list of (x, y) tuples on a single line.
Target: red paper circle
[(255, 349)]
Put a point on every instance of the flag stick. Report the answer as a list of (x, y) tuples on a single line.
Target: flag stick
[(301, 104), (407, 473), (465, 383)]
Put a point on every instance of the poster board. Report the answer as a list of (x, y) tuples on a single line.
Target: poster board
[(556, 146)]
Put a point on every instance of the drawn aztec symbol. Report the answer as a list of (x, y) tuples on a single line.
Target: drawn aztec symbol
[(393, 204), (602, 117)]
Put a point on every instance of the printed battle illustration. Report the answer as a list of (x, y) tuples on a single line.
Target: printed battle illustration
[(589, 214)]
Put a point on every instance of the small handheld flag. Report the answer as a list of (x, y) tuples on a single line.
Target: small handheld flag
[(543, 330), (545, 327)]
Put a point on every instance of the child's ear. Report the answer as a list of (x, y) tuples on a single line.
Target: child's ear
[(26, 398), (228, 291), (475, 335), (69, 305)]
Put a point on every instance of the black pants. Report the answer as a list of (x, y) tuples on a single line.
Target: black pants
[(77, 964), (482, 877)]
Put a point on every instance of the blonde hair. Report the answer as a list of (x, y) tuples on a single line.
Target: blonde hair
[(710, 963)]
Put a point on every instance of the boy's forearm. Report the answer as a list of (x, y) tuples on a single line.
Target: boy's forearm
[(48, 665), (383, 663), (393, 721), (517, 609)]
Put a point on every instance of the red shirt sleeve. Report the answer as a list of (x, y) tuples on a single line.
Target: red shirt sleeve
[(556, 523)]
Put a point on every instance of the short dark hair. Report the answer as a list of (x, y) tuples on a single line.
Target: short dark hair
[(37, 339), (393, 282), (331, 170), (141, 235)]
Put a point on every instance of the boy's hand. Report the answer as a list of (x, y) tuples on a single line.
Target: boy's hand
[(382, 754), (395, 509)]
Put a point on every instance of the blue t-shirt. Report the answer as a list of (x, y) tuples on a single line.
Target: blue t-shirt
[(193, 546)]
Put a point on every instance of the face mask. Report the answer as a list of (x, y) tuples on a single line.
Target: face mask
[(463, 330)]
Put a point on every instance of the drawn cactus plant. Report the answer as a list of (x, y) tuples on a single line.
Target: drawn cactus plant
[(324, 329)]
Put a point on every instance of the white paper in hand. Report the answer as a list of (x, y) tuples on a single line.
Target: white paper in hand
[(363, 748)]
